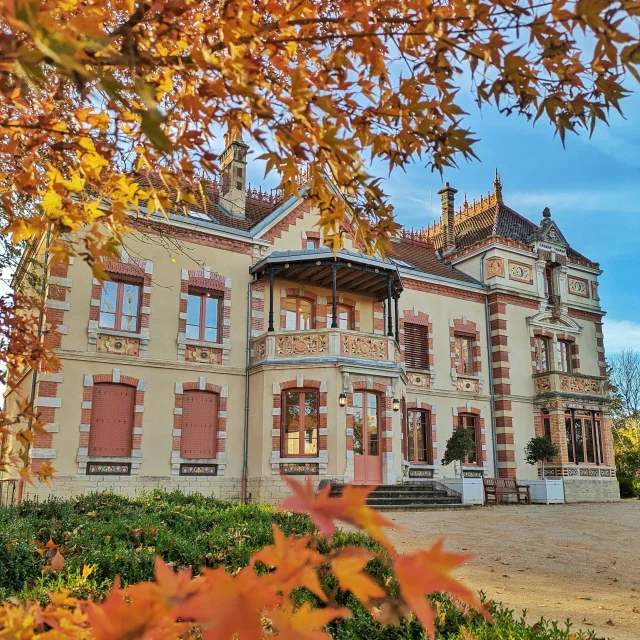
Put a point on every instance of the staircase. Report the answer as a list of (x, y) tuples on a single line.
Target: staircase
[(410, 496)]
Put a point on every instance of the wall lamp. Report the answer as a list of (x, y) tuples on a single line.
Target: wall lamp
[(396, 404), (342, 399)]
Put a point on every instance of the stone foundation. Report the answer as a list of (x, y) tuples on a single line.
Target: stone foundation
[(591, 490), (273, 489)]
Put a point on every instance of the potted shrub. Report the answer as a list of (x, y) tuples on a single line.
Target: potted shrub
[(541, 449), (458, 447)]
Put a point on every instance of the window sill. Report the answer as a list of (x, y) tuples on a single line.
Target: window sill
[(121, 334), (205, 343)]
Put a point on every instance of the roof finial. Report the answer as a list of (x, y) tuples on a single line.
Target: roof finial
[(497, 187), (546, 212)]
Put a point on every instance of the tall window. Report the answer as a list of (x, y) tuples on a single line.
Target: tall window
[(120, 305), (111, 430), (203, 316), (464, 355), (541, 354), (345, 316), (199, 424), (419, 445), (416, 345), (546, 424), (584, 441), (300, 423), (300, 314), (563, 356), (469, 421), (549, 288)]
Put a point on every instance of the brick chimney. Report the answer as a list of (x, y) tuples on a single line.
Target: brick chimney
[(233, 174), (447, 195)]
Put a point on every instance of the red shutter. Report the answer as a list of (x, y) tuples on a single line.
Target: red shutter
[(112, 420), (199, 424), (416, 346)]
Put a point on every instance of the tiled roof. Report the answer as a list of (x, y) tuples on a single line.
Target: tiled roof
[(259, 204), (422, 256)]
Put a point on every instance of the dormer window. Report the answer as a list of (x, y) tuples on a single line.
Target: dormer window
[(549, 288)]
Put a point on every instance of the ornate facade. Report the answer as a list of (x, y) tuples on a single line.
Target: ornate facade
[(246, 351)]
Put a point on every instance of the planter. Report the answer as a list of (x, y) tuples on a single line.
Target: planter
[(470, 489), (546, 491)]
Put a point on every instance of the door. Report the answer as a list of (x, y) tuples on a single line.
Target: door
[(367, 458)]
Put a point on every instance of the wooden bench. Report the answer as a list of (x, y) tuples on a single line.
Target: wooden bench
[(495, 488)]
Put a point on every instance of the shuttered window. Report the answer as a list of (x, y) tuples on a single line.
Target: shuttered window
[(416, 346), (112, 410), (199, 424)]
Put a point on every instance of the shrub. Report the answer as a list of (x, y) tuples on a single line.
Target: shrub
[(629, 487), (459, 446)]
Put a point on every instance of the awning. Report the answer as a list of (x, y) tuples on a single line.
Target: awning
[(355, 272)]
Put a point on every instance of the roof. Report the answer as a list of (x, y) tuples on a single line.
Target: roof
[(259, 204), (421, 255)]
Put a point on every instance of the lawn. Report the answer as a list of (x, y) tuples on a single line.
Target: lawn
[(116, 535)]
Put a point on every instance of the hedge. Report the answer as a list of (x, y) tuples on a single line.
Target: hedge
[(121, 536)]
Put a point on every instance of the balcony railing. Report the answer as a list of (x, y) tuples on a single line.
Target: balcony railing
[(325, 343), (568, 383)]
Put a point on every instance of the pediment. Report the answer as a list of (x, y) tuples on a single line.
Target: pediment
[(548, 320), (550, 233)]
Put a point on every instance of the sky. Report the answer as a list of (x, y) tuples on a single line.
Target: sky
[(592, 187)]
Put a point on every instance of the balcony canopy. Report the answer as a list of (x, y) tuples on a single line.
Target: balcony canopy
[(355, 273)]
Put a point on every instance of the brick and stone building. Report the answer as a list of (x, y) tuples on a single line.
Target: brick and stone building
[(229, 347)]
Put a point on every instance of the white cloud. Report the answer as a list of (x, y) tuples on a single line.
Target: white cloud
[(621, 334)]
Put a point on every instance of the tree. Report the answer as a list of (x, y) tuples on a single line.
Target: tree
[(624, 382), (627, 445), (540, 449), (459, 446), (110, 113)]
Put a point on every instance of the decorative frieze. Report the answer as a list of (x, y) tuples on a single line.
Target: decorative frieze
[(203, 355), (118, 345), (578, 286), (302, 344), (417, 472), (565, 383), (362, 346), (520, 272), (108, 468), (422, 380), (188, 469), (495, 267), (469, 385), (300, 468)]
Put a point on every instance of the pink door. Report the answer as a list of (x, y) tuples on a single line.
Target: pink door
[(367, 458)]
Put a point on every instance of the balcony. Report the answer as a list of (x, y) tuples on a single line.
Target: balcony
[(340, 344), (575, 384)]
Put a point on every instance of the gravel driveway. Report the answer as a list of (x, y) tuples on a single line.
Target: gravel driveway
[(577, 561)]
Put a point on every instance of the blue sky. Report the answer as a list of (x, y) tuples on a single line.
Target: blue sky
[(592, 188)]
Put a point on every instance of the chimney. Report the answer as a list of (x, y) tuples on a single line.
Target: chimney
[(233, 169), (448, 212)]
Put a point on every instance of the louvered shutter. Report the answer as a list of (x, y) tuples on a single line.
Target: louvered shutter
[(199, 421), (112, 420), (416, 351)]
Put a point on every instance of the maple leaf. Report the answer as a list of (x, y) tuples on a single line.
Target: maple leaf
[(305, 623), (319, 506), (295, 563), (427, 572), (228, 605), (348, 567)]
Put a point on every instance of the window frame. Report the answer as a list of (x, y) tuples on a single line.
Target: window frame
[(546, 423), (549, 282), (539, 341), (204, 295), (298, 299), (422, 357), (365, 418), (477, 436), (121, 281), (428, 437), (461, 364), (314, 242), (563, 360), (301, 391), (350, 309), (596, 436)]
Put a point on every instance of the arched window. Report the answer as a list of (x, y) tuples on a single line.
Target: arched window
[(300, 419), (111, 429), (299, 314), (199, 424)]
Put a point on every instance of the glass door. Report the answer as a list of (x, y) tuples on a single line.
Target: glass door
[(366, 438)]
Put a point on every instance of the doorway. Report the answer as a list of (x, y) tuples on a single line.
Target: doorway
[(367, 457)]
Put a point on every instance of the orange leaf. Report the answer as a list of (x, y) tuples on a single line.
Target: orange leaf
[(57, 562), (306, 623), (319, 506), (427, 572), (348, 567), (51, 544)]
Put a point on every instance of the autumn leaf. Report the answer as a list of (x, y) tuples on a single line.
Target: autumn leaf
[(320, 507), (429, 571), (348, 567), (305, 623), (57, 562)]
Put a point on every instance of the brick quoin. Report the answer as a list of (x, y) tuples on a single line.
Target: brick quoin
[(298, 213)]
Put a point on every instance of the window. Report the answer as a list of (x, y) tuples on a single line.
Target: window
[(312, 243), (203, 316), (419, 449), (199, 424), (111, 430), (416, 345), (345, 316), (546, 424), (366, 418), (469, 421), (300, 423), (541, 354), (300, 314), (549, 288), (464, 355), (584, 441), (563, 356), (120, 305)]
